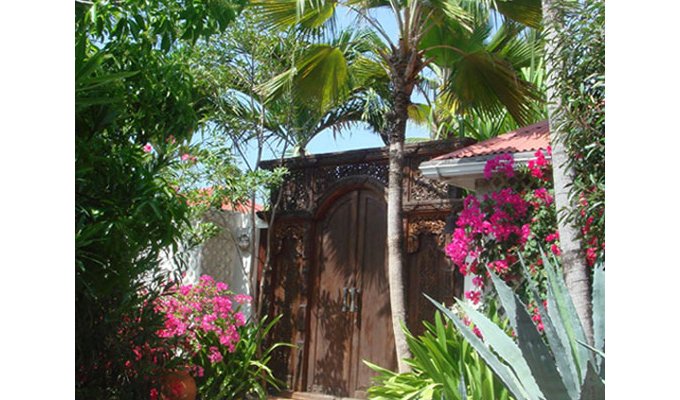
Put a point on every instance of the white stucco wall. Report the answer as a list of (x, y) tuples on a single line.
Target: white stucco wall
[(221, 256)]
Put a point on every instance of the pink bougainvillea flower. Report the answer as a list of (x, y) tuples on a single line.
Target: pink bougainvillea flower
[(474, 296), (214, 355), (184, 290), (542, 193), (499, 266), (526, 232), (221, 286), (503, 163), (242, 298), (478, 281), (148, 148)]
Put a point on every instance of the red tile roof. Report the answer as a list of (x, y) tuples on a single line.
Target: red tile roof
[(528, 138), (241, 207)]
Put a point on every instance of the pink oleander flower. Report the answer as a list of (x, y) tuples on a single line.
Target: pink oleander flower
[(148, 148), (553, 236), (239, 319), (185, 156), (198, 371), (555, 249), (184, 290), (591, 256)]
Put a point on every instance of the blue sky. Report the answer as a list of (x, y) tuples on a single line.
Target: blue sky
[(358, 136)]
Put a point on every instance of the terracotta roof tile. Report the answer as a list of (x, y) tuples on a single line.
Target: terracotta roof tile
[(528, 138), (241, 207)]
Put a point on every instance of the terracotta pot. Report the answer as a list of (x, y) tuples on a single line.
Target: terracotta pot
[(178, 385)]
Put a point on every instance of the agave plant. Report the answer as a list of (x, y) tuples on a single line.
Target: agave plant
[(563, 366)]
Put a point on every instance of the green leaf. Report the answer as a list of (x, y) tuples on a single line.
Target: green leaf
[(504, 346), (502, 370), (593, 386), (557, 339), (561, 309), (535, 352), (598, 313)]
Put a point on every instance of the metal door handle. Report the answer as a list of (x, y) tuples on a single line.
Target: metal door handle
[(354, 305), (345, 306)]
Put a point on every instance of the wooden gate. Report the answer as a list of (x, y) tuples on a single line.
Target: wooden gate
[(350, 318), (328, 276)]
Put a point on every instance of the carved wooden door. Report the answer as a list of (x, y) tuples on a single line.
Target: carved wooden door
[(351, 319)]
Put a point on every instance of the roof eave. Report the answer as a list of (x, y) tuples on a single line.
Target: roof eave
[(464, 172)]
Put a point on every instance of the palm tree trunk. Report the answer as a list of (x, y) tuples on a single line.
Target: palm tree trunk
[(573, 262), (396, 131)]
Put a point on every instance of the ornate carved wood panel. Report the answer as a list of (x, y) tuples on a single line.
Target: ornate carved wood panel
[(309, 275), (289, 299), (429, 269)]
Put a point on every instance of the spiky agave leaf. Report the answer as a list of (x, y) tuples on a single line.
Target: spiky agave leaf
[(534, 350), (598, 316)]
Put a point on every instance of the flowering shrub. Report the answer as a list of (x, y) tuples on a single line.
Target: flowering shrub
[(519, 218), (204, 327), (204, 318)]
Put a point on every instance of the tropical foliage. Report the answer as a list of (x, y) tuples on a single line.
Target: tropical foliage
[(582, 89), (131, 74), (448, 34), (560, 365), (444, 366), (575, 92)]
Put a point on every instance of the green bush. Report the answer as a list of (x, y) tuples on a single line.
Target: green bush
[(244, 373), (133, 86)]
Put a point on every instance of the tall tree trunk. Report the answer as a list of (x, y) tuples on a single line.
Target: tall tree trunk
[(573, 262), (396, 131)]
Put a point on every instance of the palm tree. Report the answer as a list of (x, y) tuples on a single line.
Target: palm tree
[(442, 114), (576, 274), (235, 68), (442, 32)]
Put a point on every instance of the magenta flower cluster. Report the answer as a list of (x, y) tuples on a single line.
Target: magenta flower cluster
[(204, 318), (502, 164), (491, 229)]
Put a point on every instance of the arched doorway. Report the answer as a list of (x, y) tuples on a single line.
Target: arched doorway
[(350, 318)]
